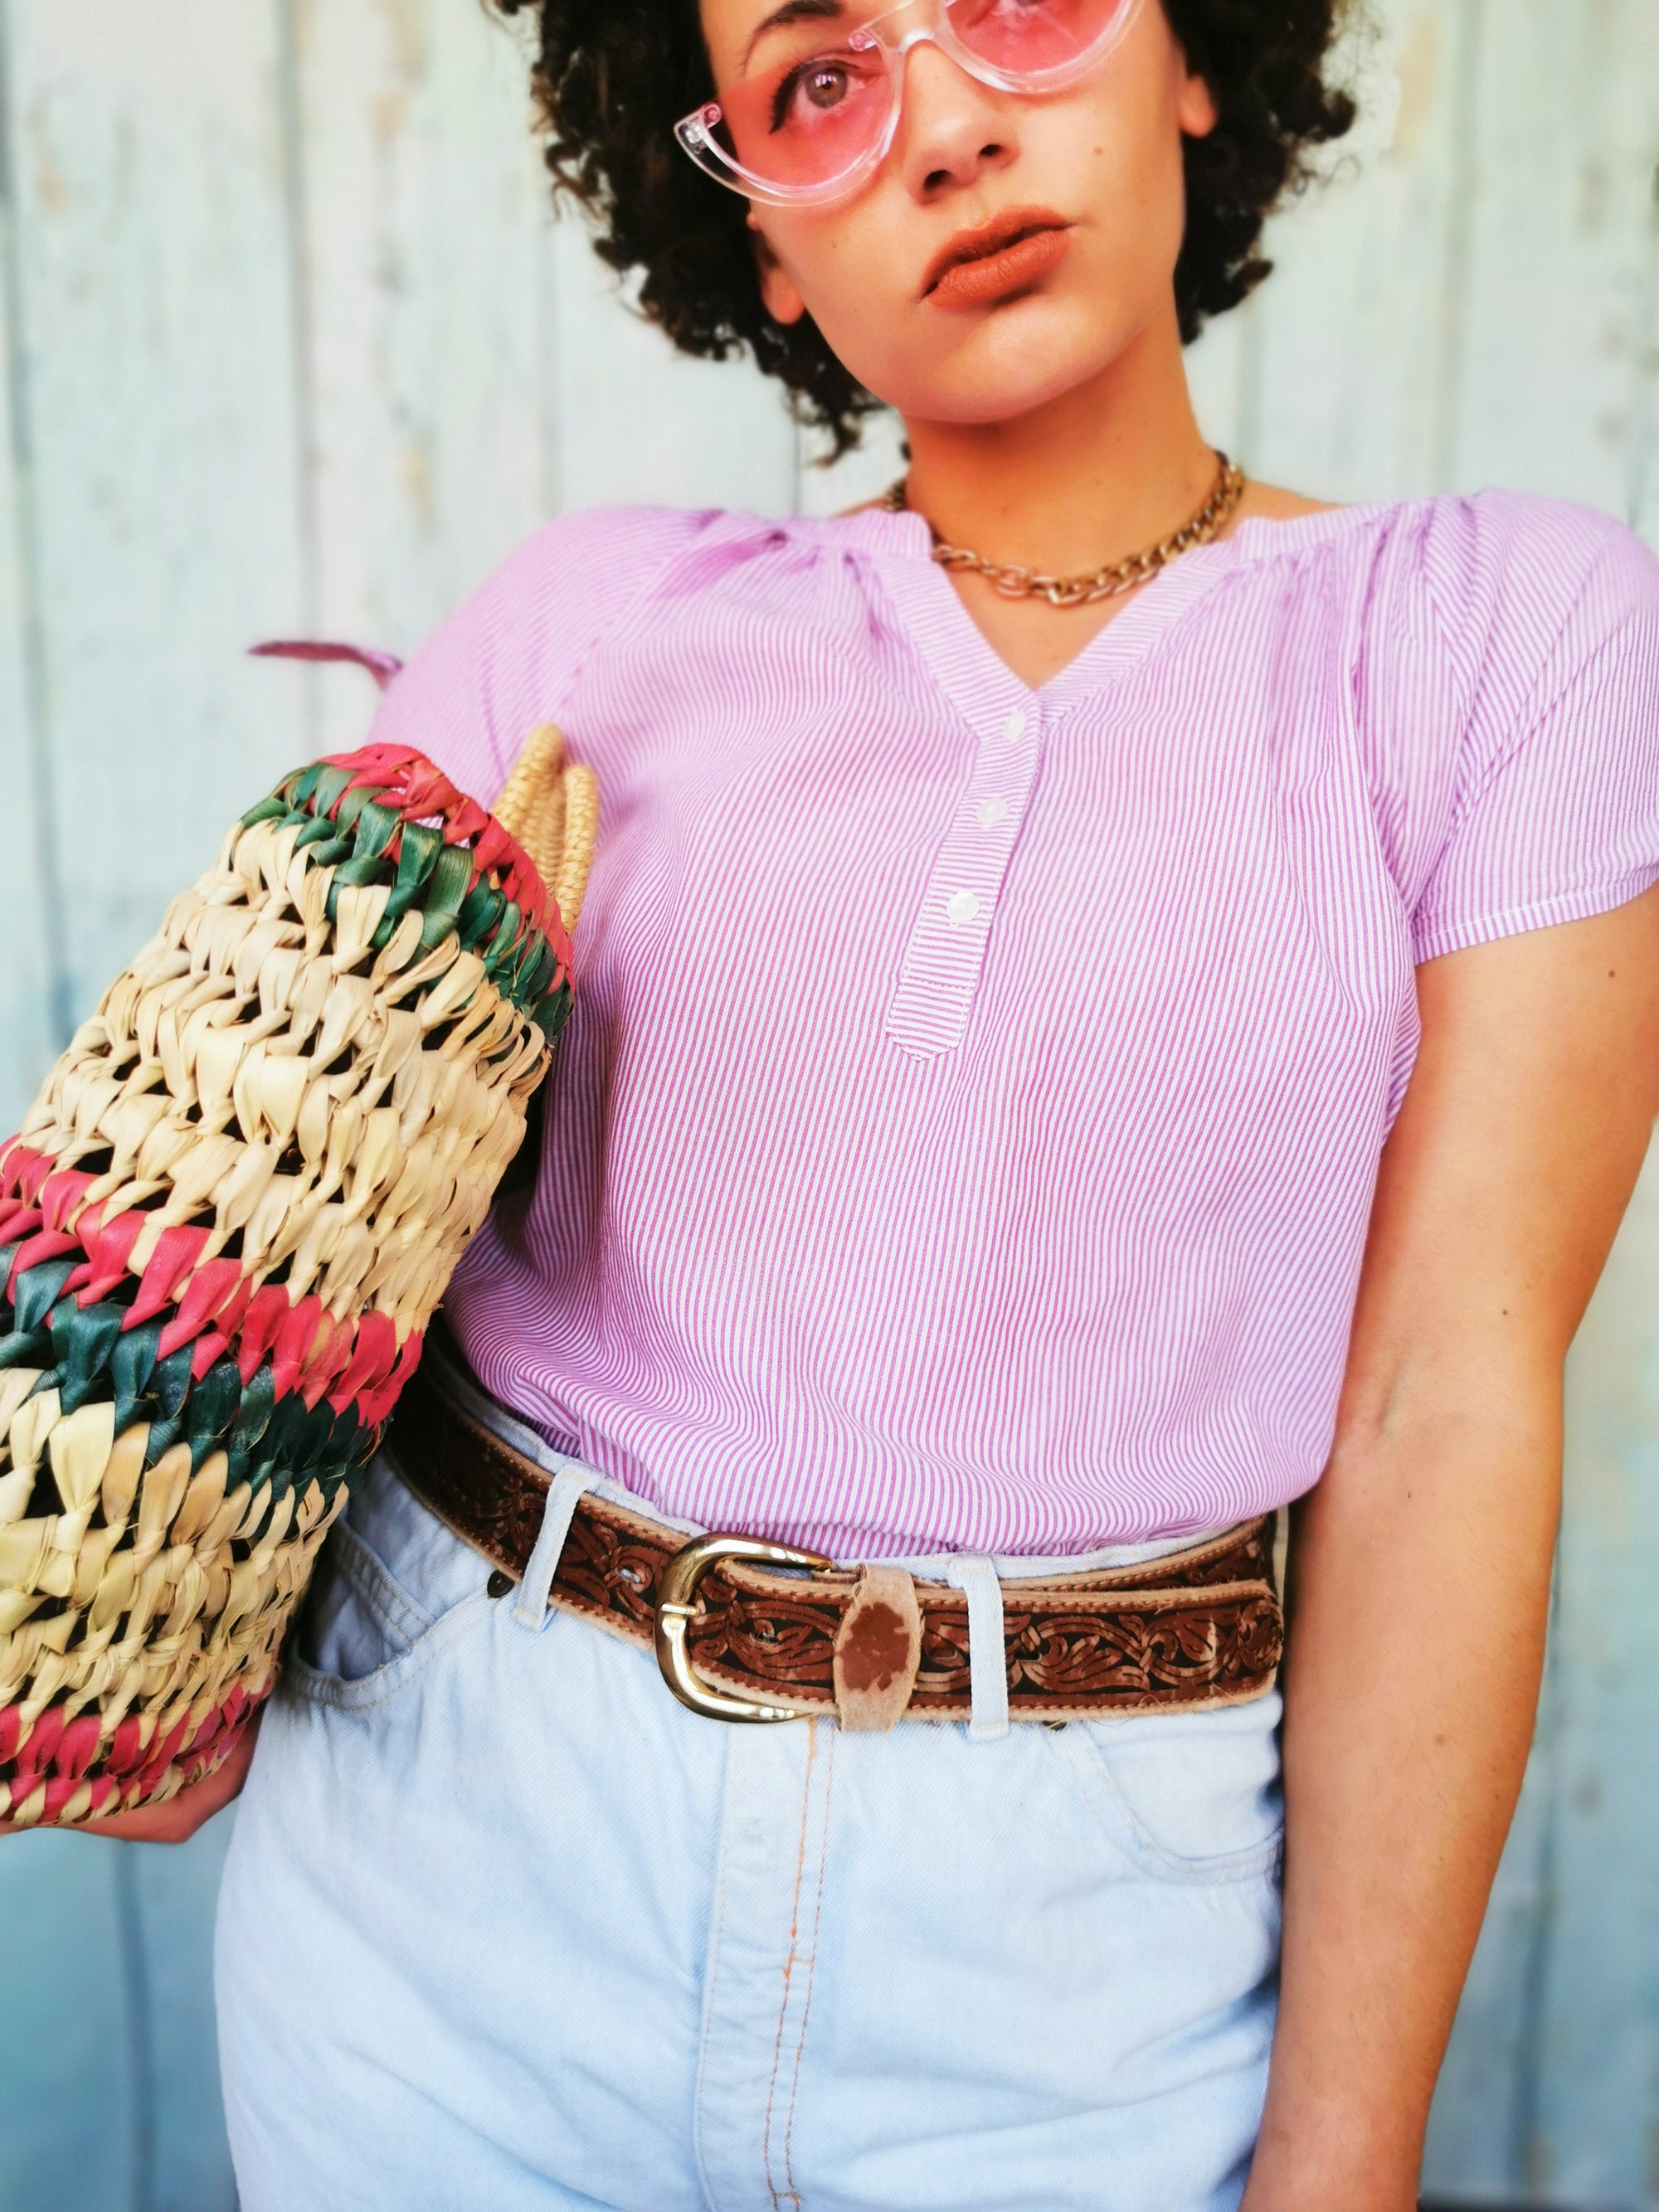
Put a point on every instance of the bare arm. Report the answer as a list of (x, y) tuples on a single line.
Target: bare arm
[(1422, 1564)]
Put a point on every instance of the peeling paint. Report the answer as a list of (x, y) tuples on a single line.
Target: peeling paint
[(388, 114), (53, 192), (1421, 66), (409, 30), (1596, 193)]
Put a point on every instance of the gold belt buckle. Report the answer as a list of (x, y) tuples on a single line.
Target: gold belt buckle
[(676, 1609)]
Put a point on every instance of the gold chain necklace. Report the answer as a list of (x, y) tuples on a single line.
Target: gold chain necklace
[(1017, 583)]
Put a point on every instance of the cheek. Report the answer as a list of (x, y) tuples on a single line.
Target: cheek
[(849, 265), (1127, 156), (852, 277), (1132, 198)]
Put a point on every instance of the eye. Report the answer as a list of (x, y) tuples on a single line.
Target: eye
[(825, 85), (822, 82)]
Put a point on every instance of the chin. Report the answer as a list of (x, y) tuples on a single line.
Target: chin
[(1012, 363)]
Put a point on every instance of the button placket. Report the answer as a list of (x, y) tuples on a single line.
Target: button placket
[(945, 956)]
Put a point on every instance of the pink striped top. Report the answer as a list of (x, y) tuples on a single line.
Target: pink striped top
[(967, 1132)]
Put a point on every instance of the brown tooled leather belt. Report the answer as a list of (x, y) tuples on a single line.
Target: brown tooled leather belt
[(768, 1636)]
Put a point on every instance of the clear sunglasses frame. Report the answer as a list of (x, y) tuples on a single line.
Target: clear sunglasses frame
[(929, 23)]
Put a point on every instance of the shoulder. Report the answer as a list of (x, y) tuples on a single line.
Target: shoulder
[(1522, 569), (1493, 649), (510, 655), (1467, 546), (1548, 613), (1493, 592), (575, 578), (586, 565), (1508, 575)]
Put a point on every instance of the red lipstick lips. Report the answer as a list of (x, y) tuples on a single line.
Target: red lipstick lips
[(1008, 254)]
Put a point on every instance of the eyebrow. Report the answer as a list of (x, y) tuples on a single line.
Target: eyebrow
[(792, 11)]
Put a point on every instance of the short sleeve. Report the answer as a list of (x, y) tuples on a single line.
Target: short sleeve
[(1556, 812), (511, 655)]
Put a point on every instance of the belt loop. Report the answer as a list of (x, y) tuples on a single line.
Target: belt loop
[(562, 1493), (988, 1651)]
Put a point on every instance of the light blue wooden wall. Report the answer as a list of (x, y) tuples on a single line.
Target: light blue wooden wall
[(290, 345)]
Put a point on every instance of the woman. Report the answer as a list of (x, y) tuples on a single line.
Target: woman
[(1057, 1077)]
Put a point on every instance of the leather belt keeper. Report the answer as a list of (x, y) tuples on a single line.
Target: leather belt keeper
[(871, 1645)]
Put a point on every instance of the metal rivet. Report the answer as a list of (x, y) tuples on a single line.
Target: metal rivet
[(499, 1583)]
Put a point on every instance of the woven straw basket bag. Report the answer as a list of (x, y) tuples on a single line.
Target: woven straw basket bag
[(223, 1229)]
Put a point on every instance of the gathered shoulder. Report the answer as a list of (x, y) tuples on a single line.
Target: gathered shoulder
[(1517, 578), (511, 654), (1508, 697), (1497, 597), (600, 555)]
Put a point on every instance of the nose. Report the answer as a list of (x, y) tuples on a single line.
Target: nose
[(951, 128)]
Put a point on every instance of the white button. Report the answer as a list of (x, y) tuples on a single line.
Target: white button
[(990, 811), (960, 908), (1015, 725)]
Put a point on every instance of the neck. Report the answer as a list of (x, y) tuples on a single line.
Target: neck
[(1093, 476)]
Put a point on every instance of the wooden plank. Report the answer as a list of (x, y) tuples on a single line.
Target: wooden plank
[(109, 2083), (31, 1008), (65, 2086), (172, 1894), (72, 2129), (1559, 371), (1551, 389), (150, 536), (1482, 2115), (1351, 197), (426, 262), (1481, 307), (1594, 2099), (1355, 335), (639, 422), (473, 368), (150, 234)]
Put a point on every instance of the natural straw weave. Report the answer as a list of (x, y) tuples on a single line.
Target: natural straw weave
[(223, 1229)]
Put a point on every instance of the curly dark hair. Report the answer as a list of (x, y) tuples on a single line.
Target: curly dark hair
[(613, 77)]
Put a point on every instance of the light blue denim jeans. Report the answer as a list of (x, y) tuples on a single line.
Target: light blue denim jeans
[(504, 1926)]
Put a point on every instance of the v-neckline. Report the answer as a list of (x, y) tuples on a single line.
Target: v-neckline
[(966, 664), (967, 667)]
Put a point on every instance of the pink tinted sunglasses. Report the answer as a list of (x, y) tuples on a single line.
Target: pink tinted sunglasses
[(816, 102)]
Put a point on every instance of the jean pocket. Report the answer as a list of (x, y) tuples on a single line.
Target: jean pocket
[(391, 1585), (1188, 1797)]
